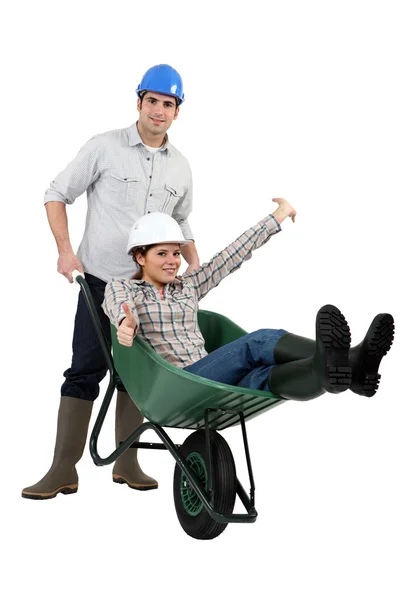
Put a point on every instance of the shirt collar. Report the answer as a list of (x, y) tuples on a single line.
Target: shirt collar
[(138, 281), (167, 286), (135, 139)]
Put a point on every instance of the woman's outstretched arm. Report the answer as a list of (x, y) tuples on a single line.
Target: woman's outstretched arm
[(210, 274)]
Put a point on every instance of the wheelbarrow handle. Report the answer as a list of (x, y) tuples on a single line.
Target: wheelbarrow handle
[(75, 273)]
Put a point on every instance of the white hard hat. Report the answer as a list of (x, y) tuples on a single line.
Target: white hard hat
[(155, 228)]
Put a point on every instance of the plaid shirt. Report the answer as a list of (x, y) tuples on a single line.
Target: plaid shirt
[(170, 325)]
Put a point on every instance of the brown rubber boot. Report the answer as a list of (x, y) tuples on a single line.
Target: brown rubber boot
[(126, 468), (72, 427)]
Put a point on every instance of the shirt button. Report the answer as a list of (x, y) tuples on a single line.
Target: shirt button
[(151, 194), (148, 159), (150, 176)]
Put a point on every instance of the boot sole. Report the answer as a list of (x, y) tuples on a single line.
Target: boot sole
[(377, 343), (141, 487), (334, 334), (71, 489)]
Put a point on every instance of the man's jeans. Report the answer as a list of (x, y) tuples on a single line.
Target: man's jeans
[(88, 365), (246, 362)]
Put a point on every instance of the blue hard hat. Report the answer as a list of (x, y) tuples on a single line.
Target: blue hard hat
[(164, 80)]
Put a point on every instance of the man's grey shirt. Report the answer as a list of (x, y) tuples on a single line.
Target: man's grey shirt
[(123, 181)]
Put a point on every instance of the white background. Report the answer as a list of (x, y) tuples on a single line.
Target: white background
[(291, 99)]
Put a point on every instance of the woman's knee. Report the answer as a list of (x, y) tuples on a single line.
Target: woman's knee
[(269, 333)]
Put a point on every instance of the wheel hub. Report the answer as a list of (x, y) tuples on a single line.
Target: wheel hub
[(190, 500)]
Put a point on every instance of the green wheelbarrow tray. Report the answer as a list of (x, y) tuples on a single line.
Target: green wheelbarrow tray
[(205, 482), (172, 397)]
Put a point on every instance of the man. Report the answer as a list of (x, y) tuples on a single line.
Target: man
[(126, 174)]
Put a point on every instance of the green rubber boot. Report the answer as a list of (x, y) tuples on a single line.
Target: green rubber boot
[(72, 427), (364, 359), (126, 468), (328, 370)]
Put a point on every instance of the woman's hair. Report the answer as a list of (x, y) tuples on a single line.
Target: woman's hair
[(143, 250)]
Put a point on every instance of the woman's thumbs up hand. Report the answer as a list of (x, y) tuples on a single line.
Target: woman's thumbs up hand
[(126, 329)]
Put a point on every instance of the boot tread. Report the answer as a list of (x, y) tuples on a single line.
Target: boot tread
[(375, 346), (67, 489), (334, 334), (135, 486), (333, 327)]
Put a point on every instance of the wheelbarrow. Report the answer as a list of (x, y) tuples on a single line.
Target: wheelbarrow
[(205, 483)]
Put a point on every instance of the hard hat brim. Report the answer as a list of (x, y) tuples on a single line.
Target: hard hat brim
[(145, 245)]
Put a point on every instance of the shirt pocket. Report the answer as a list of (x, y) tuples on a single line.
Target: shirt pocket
[(123, 189), (173, 193), (187, 303)]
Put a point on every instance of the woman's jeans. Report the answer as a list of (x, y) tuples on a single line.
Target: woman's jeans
[(246, 362), (88, 366)]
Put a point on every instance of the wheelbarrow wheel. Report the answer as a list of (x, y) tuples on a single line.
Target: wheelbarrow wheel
[(191, 512)]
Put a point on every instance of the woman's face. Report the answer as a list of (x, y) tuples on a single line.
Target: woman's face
[(161, 263)]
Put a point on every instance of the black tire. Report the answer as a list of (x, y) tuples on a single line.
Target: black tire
[(191, 512)]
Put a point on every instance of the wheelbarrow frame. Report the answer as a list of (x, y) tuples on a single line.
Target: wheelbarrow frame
[(209, 421)]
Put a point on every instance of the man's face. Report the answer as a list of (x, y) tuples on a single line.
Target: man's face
[(156, 112)]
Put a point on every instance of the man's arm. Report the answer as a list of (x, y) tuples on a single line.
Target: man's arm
[(180, 214), (58, 221), (189, 253), (66, 187)]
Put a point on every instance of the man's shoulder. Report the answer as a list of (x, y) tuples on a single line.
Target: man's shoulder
[(113, 136)]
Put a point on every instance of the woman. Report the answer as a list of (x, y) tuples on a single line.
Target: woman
[(162, 308)]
